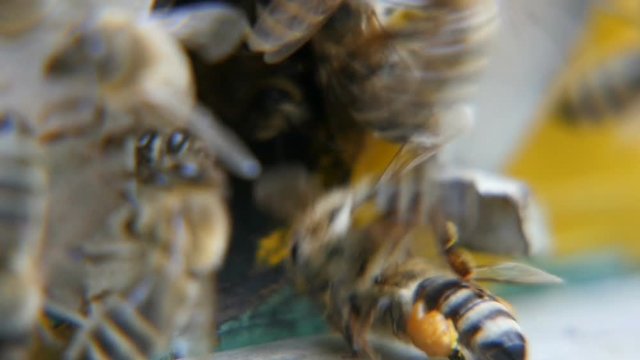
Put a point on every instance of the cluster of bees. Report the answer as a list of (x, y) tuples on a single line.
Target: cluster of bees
[(114, 176)]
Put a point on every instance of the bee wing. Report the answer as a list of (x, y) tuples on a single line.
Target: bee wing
[(455, 121), (214, 31), (284, 26), (515, 273), (532, 44)]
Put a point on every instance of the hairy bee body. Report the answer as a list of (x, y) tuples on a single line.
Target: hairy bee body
[(182, 193), (127, 257), (403, 68), (147, 271), (144, 73), (23, 209), (484, 326), (354, 250), (141, 71), (176, 162), (611, 89)]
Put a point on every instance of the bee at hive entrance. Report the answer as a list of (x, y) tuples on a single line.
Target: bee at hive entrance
[(352, 252), (131, 245)]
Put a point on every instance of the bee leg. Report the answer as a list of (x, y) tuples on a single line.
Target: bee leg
[(347, 334), (456, 354), (360, 321), (113, 328), (356, 336), (447, 234)]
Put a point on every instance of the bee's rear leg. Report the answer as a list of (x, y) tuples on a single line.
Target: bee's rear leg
[(356, 330), (447, 232), (114, 329)]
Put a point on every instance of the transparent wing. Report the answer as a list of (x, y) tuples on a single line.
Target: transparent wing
[(532, 44), (515, 273), (214, 31), (421, 148), (285, 25)]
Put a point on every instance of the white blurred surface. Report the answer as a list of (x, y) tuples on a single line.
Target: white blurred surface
[(598, 321), (531, 47)]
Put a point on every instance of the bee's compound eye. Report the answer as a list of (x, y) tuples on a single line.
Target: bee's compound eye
[(189, 171), (177, 142), (146, 139), (378, 279)]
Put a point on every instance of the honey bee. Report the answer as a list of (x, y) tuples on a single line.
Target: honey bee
[(147, 274), (23, 221), (404, 69), (353, 249), (214, 31), (191, 187), (132, 246), (610, 89)]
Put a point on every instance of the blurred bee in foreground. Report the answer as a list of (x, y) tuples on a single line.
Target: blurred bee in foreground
[(148, 273), (609, 90), (182, 193), (354, 249), (23, 204), (404, 69), (129, 254)]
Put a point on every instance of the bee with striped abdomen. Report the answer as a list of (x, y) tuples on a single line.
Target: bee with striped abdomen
[(402, 68), (23, 209), (611, 89), (355, 250)]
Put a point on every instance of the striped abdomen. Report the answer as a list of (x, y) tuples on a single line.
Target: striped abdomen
[(608, 90), (484, 325), (23, 201)]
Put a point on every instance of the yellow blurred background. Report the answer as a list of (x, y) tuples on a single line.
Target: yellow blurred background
[(588, 177)]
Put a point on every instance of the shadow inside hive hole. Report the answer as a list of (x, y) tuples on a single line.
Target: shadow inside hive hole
[(233, 90), (236, 92)]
